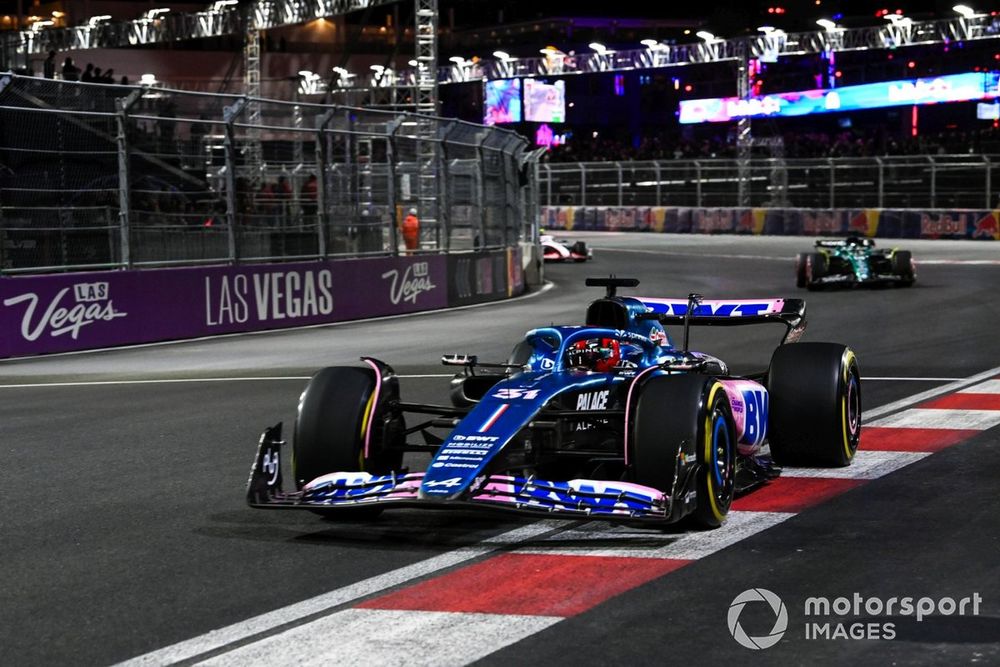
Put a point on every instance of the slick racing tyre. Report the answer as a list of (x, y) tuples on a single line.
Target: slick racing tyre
[(816, 269), (902, 267), (579, 248), (815, 405), (677, 416), (800, 269), (336, 411)]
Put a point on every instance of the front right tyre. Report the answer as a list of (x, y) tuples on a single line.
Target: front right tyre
[(814, 415)]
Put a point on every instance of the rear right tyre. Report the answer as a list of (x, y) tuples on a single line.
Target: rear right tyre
[(902, 266)]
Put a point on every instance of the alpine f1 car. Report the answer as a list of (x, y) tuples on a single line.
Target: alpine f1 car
[(561, 250), (606, 420), (853, 261)]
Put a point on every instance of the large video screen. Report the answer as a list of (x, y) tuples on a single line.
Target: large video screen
[(948, 88), (502, 101), (544, 102)]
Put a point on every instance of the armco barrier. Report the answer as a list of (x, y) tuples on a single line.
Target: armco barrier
[(78, 311), (887, 223)]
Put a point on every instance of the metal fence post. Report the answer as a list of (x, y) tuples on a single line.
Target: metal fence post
[(989, 166), (656, 175), (548, 185), (583, 184), (481, 191), (444, 203), (322, 186), (881, 182), (122, 106), (697, 188), (933, 181), (229, 116), (390, 161), (618, 166), (833, 180)]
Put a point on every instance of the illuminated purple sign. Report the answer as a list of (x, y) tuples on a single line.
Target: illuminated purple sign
[(949, 88)]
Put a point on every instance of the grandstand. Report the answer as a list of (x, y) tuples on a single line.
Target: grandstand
[(234, 131)]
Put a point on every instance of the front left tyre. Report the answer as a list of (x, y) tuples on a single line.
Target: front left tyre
[(338, 411), (677, 416)]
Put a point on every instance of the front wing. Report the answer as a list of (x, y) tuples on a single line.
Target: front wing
[(578, 498)]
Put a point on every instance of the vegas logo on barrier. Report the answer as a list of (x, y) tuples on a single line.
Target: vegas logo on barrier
[(416, 279), (780, 621)]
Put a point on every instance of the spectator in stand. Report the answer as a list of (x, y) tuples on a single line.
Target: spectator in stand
[(49, 66), (108, 76), (283, 198), (265, 203), (88, 73), (70, 72), (124, 81), (97, 75), (309, 195)]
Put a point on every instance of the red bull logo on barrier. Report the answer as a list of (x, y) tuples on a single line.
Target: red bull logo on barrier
[(932, 226), (988, 227), (822, 222)]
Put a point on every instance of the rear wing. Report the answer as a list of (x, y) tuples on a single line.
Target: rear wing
[(840, 243), (730, 312)]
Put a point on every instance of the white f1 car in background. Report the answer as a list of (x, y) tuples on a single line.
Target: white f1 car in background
[(561, 250)]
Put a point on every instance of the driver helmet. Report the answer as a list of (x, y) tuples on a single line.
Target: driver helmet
[(595, 354)]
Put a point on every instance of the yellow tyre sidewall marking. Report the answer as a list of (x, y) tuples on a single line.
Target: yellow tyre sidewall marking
[(848, 360), (709, 454), (369, 408)]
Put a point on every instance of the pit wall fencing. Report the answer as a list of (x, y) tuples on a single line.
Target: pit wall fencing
[(981, 224), (77, 311)]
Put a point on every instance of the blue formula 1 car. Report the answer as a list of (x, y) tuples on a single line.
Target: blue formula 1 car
[(605, 420)]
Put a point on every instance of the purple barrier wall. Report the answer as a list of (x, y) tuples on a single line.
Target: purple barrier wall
[(56, 313), (887, 223)]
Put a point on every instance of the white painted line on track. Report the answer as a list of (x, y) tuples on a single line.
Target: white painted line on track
[(264, 623), (900, 379), (903, 403), (867, 464), (988, 387), (979, 420), (921, 262), (429, 638), (263, 378), (699, 255), (599, 539), (268, 378)]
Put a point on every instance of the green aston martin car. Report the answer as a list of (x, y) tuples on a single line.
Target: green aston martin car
[(853, 261)]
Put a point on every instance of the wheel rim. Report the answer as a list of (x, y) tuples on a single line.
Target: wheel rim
[(722, 473), (853, 407)]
